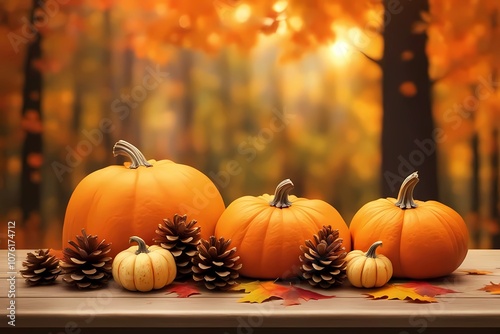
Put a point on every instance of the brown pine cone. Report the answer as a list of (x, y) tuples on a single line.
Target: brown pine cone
[(40, 268), (182, 240), (323, 260), (216, 265), (87, 264)]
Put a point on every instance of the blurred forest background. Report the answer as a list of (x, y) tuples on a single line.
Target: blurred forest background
[(346, 98)]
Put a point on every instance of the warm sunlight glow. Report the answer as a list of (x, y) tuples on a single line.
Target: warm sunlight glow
[(295, 23), (280, 6), (282, 28), (340, 51), (242, 13)]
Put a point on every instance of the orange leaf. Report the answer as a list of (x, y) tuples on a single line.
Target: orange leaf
[(263, 291), (183, 290), (492, 288), (477, 272), (426, 289), (399, 292)]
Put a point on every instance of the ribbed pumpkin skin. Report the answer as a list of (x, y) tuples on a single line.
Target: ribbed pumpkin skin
[(268, 239), (144, 272), (428, 241), (116, 202)]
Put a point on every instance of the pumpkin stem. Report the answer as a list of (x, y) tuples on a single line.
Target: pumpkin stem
[(281, 194), (142, 245), (405, 196), (371, 253), (126, 149)]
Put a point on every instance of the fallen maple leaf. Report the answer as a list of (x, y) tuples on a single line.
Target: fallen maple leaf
[(427, 289), (246, 287), (183, 290), (492, 288), (392, 291), (259, 292), (477, 272)]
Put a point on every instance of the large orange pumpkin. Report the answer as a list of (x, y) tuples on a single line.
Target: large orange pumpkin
[(268, 230), (423, 239), (132, 199)]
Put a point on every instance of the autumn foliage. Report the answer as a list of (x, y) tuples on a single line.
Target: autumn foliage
[(233, 67)]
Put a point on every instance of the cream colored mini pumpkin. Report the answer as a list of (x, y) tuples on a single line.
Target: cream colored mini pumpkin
[(368, 270), (143, 268)]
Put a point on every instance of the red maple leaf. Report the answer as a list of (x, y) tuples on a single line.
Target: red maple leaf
[(427, 289), (292, 296), (183, 290)]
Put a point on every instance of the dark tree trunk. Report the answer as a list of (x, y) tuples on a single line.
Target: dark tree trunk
[(187, 107), (495, 214), (408, 142), (108, 74), (474, 221), (32, 126)]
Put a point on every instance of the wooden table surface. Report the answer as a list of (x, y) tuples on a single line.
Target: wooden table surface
[(59, 306)]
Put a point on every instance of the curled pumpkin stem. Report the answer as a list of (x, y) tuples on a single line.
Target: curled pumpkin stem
[(142, 245), (130, 151), (371, 252), (281, 193), (405, 196)]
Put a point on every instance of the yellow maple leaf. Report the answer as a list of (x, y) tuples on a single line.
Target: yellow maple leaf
[(259, 292), (246, 287), (391, 291)]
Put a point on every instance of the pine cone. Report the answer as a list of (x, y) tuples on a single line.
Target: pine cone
[(40, 268), (216, 265), (87, 266), (182, 240), (323, 261)]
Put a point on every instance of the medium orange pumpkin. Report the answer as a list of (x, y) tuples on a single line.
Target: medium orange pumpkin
[(423, 239), (268, 230), (131, 199)]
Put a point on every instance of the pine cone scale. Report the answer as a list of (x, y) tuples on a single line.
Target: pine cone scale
[(77, 261), (203, 266), (223, 274), (317, 267)]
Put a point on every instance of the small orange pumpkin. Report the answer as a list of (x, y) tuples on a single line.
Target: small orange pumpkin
[(132, 199), (268, 230), (423, 239)]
